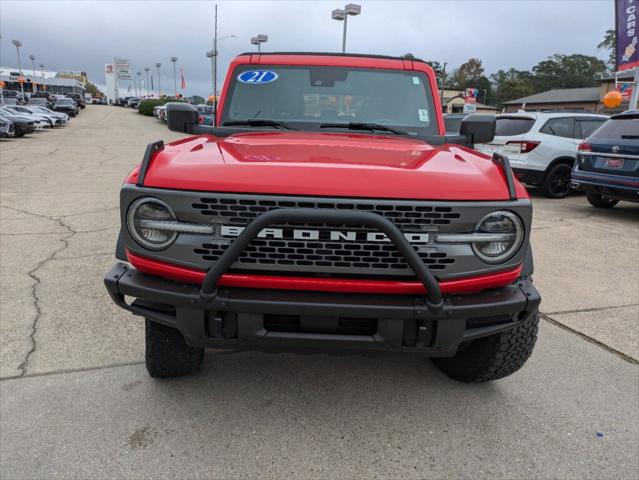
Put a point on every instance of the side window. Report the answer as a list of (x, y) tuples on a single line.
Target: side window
[(587, 125), (559, 127)]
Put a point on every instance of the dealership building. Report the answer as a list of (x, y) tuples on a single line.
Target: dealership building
[(53, 82)]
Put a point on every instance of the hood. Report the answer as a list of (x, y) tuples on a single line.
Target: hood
[(327, 164)]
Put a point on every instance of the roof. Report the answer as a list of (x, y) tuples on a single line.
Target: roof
[(560, 95), (535, 115), (625, 75), (334, 54)]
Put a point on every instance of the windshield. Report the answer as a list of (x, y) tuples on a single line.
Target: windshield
[(307, 96), (64, 101), (618, 128)]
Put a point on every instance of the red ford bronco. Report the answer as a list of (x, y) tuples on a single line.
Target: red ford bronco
[(327, 207)]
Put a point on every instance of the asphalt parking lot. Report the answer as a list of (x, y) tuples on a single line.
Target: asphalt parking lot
[(76, 401)]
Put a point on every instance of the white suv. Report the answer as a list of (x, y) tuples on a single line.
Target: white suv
[(542, 146)]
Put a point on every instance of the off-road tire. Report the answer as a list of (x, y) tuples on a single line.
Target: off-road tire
[(556, 183), (599, 201), (494, 357), (167, 354)]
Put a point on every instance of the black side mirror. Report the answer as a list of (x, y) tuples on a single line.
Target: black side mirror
[(478, 128), (181, 117)]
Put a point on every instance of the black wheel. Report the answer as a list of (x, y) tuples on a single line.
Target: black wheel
[(599, 201), (556, 184), (18, 131), (167, 354), (494, 357)]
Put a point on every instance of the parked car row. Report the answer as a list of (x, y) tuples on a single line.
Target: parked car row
[(554, 151), (20, 120), (206, 113)]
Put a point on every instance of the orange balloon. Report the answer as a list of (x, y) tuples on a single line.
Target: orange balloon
[(612, 99)]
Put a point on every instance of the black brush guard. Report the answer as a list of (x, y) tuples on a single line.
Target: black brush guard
[(221, 317), (311, 215)]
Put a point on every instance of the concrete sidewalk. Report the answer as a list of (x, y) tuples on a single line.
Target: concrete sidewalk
[(570, 413)]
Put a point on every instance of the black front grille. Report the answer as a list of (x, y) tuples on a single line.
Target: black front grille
[(239, 211), (323, 255), (320, 255)]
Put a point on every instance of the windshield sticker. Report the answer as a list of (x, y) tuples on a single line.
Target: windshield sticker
[(415, 80), (257, 77), (423, 115)]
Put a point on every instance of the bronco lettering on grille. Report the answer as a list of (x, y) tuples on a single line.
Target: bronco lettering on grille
[(332, 235)]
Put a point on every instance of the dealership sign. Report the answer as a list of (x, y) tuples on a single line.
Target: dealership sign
[(122, 68), (627, 28)]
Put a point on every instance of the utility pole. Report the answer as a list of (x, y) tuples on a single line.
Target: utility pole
[(18, 44), (174, 59), (158, 65), (443, 86), (33, 82), (146, 69), (215, 58)]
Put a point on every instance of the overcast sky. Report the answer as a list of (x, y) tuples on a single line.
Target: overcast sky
[(84, 35)]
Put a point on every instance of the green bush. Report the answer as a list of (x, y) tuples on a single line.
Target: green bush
[(146, 106)]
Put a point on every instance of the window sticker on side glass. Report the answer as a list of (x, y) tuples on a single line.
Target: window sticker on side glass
[(257, 77), (423, 115), (415, 80)]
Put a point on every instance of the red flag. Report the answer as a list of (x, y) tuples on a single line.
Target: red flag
[(183, 81)]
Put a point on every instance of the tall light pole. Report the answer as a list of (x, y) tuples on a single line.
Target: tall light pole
[(139, 92), (42, 71), (258, 40), (146, 69), (174, 59), (33, 82), (158, 65), (342, 15), (18, 44), (212, 54)]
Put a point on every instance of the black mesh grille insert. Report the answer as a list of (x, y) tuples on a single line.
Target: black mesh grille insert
[(325, 255), (236, 211)]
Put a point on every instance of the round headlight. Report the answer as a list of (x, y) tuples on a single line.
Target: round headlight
[(144, 221), (505, 233)]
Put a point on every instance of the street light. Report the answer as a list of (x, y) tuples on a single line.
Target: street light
[(258, 40), (342, 15), (146, 69), (33, 82), (18, 44), (174, 59), (139, 92), (212, 54), (42, 70), (158, 65)]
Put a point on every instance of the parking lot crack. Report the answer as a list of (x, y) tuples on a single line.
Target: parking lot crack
[(37, 280)]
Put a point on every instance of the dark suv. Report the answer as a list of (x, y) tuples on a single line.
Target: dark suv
[(607, 166), (78, 99)]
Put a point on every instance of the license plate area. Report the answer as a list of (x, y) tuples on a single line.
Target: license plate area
[(613, 163)]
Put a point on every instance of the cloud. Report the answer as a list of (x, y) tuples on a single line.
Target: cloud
[(69, 35)]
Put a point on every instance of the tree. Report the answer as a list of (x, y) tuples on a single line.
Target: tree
[(609, 44), (468, 74), (93, 90), (471, 75), (512, 84), (568, 71)]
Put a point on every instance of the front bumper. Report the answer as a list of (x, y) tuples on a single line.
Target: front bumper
[(262, 319)]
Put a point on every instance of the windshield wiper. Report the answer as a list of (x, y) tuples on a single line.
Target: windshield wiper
[(629, 136), (364, 126), (256, 122)]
